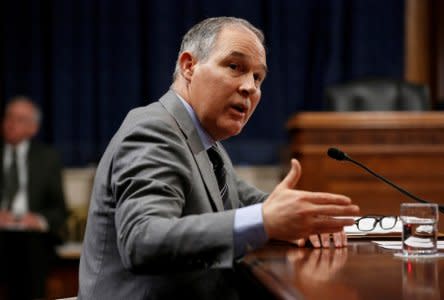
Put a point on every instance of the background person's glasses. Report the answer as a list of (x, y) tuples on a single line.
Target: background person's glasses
[(368, 223)]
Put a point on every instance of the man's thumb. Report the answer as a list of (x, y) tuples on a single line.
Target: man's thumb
[(293, 175)]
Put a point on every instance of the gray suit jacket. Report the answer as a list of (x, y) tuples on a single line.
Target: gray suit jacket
[(157, 228)]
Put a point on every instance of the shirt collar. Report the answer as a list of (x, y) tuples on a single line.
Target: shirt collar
[(21, 148), (205, 138)]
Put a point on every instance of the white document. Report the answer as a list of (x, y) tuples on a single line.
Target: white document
[(397, 245)]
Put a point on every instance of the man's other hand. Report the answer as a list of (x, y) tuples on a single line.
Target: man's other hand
[(324, 240), (291, 214)]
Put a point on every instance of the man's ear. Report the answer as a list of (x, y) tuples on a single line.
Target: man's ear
[(187, 62)]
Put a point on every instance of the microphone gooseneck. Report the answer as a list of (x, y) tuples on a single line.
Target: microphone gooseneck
[(340, 155)]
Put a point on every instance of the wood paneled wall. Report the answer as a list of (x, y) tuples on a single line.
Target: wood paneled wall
[(424, 46)]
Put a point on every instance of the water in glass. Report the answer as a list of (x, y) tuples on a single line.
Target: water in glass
[(419, 235)]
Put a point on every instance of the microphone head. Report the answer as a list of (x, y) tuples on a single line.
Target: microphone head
[(337, 154)]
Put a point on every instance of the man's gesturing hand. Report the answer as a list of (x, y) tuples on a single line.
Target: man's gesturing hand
[(290, 214)]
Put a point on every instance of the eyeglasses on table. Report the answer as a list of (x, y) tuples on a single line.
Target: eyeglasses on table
[(369, 222)]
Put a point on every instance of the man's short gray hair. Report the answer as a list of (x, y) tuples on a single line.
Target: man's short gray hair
[(200, 39)]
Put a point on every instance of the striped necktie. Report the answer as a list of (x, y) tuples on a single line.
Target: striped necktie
[(219, 171), (11, 180)]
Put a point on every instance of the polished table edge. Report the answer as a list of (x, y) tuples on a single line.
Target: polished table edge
[(272, 283)]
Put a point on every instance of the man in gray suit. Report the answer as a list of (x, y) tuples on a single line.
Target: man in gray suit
[(168, 216)]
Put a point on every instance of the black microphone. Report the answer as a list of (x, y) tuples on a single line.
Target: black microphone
[(339, 155)]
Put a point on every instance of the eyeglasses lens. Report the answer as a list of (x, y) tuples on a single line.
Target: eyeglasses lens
[(388, 222), (366, 224)]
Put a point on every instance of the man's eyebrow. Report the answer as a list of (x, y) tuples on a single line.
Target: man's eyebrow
[(242, 55)]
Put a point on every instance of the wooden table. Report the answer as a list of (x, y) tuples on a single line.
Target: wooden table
[(405, 147), (361, 271)]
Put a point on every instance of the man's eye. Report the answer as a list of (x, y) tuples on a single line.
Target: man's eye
[(233, 66)]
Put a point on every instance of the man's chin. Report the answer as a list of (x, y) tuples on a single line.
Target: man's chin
[(227, 130), (236, 129), (228, 134)]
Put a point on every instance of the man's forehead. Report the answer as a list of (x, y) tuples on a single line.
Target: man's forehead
[(21, 106), (240, 42), (239, 33)]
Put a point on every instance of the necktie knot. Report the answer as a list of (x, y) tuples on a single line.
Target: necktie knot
[(215, 158)]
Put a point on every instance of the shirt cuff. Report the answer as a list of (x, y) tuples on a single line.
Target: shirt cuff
[(249, 231)]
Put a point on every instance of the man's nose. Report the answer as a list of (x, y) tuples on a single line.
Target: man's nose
[(248, 86)]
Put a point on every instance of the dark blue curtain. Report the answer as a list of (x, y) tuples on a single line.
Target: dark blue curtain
[(88, 62)]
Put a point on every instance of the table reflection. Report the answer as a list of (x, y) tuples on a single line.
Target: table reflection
[(314, 270), (420, 279), (361, 271)]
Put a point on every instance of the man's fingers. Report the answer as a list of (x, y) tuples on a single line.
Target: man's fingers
[(314, 239), (325, 239), (336, 210), (331, 221), (340, 239), (300, 242), (343, 237), (293, 175), (325, 198)]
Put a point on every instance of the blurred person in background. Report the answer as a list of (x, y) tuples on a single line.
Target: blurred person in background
[(32, 204)]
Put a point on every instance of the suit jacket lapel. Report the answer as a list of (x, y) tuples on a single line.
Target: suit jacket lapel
[(180, 114), (32, 174)]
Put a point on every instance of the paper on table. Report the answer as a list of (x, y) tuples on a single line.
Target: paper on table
[(397, 245)]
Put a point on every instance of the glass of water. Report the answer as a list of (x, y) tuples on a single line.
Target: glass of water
[(419, 228)]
